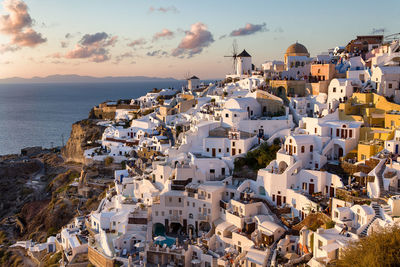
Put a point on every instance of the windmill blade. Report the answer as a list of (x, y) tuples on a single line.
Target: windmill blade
[(234, 48)]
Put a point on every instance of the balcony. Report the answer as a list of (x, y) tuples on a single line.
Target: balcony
[(202, 217), (175, 218), (201, 196)]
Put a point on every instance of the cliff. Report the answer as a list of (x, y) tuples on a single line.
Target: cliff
[(83, 136)]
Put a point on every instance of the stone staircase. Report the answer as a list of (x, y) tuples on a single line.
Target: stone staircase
[(379, 175), (376, 208), (387, 210)]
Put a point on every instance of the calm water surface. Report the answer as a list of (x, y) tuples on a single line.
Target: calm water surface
[(39, 114)]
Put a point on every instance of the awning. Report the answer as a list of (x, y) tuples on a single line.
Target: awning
[(331, 247)]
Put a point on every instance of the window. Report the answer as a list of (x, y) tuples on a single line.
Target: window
[(180, 212), (194, 205), (170, 199), (311, 148), (226, 115), (180, 200), (240, 151), (227, 150), (320, 244), (208, 150), (212, 171), (390, 85), (156, 213), (219, 150), (170, 212), (188, 204), (302, 149), (337, 132), (190, 216), (294, 149), (209, 195), (334, 89), (350, 133), (233, 143), (162, 213)]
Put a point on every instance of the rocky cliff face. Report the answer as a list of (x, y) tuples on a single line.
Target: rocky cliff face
[(83, 135)]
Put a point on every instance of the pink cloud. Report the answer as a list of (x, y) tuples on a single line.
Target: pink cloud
[(18, 25), (94, 47), (194, 41), (165, 33)]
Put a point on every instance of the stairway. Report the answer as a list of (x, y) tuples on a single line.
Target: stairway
[(376, 208), (379, 175)]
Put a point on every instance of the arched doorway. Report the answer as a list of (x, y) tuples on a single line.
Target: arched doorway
[(205, 226), (281, 91), (158, 229), (282, 166), (261, 190), (175, 228)]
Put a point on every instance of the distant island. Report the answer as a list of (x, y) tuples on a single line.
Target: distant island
[(72, 78)]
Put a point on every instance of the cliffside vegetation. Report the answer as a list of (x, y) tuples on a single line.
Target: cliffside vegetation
[(378, 249), (256, 159)]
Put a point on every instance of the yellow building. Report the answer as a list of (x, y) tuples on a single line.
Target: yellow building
[(380, 118)]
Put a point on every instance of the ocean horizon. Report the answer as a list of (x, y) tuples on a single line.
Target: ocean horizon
[(42, 114)]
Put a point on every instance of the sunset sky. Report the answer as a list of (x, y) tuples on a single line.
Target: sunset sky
[(171, 38)]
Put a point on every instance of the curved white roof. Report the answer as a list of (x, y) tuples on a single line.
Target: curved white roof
[(241, 103)]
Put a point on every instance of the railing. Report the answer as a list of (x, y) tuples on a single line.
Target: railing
[(175, 218), (202, 217)]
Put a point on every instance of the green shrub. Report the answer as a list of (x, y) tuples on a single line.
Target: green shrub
[(108, 161), (330, 224)]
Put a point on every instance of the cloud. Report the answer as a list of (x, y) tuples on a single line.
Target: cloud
[(157, 53), (194, 41), (171, 9), (18, 25), (378, 31), (137, 42), (249, 29), (94, 47), (279, 29), (123, 56), (64, 44), (165, 33)]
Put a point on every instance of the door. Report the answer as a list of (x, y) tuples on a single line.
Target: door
[(331, 191), (278, 201), (213, 152), (233, 151), (310, 188), (340, 152)]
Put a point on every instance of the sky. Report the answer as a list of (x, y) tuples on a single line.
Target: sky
[(178, 38)]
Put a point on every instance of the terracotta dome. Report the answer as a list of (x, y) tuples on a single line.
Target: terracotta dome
[(297, 49)]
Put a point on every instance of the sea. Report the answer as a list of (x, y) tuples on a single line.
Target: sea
[(42, 114)]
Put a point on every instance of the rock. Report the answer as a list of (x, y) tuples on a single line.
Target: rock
[(83, 135)]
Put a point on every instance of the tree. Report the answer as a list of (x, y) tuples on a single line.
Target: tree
[(381, 248), (108, 161)]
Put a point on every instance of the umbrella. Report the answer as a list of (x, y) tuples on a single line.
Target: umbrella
[(139, 245), (230, 250), (160, 238), (291, 256), (196, 261)]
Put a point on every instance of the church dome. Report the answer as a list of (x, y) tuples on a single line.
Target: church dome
[(296, 49)]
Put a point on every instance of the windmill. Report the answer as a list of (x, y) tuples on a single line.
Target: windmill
[(234, 54)]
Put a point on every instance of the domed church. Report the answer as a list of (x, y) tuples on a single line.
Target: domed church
[(296, 56)]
